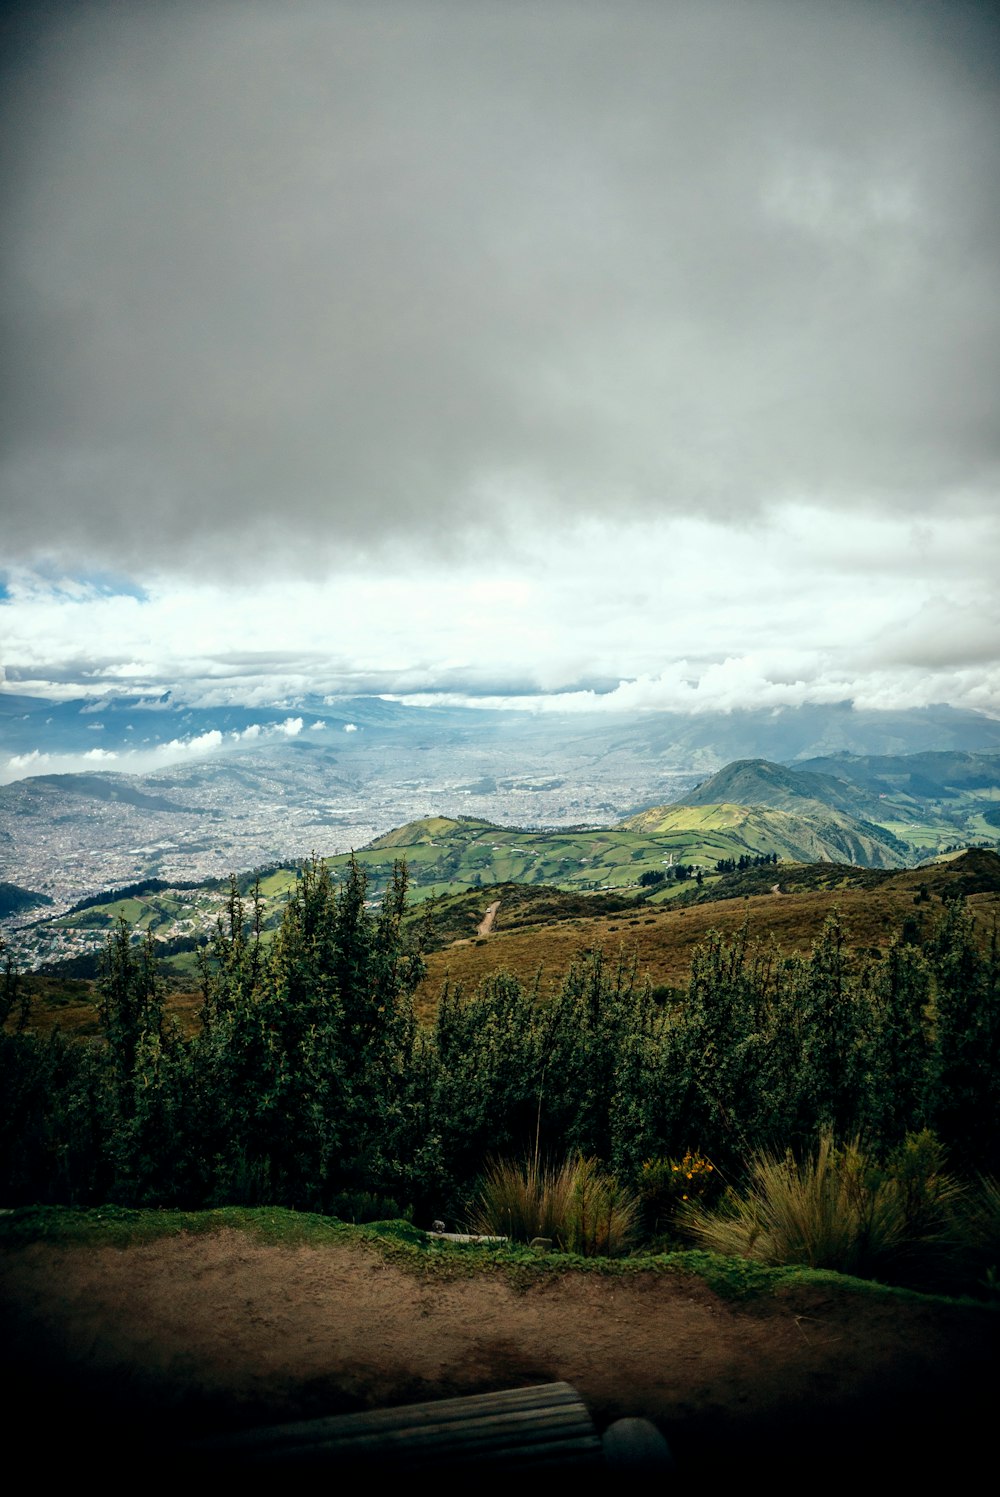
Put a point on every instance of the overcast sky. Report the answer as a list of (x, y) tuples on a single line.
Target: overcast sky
[(644, 354)]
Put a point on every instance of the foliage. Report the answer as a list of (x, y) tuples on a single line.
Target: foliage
[(833, 1208), (311, 1084), (575, 1204), (603, 1217), (524, 1201), (963, 1086), (665, 1183)]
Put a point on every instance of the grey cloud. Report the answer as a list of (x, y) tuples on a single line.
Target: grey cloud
[(290, 282)]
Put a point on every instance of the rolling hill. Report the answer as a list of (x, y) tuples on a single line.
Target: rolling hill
[(928, 801), (812, 833), (753, 808)]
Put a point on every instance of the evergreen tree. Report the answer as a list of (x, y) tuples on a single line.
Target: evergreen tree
[(964, 1082)]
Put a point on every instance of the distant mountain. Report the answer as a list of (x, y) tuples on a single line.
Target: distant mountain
[(922, 776), (246, 787), (815, 833), (121, 724), (119, 788), (758, 782), (927, 802)]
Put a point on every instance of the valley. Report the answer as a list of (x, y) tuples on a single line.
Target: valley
[(273, 811)]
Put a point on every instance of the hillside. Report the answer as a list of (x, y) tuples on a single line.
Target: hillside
[(539, 929), (754, 808), (876, 906), (14, 900), (927, 802), (812, 833)]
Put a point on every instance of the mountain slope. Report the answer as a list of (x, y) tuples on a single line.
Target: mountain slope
[(788, 813)]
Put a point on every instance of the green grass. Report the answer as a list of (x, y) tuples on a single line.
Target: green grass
[(407, 1247)]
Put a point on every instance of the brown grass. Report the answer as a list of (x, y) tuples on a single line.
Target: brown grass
[(664, 940)]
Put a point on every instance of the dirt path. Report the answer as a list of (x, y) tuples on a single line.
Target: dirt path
[(486, 924), (195, 1334)]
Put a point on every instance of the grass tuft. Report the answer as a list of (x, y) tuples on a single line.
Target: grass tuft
[(575, 1204), (835, 1208)]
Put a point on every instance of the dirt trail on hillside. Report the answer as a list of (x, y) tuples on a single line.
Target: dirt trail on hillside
[(144, 1347), (486, 924)]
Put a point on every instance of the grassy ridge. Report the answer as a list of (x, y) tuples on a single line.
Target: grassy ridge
[(540, 928), (875, 907)]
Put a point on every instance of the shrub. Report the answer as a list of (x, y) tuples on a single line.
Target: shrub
[(836, 1208), (665, 1183), (522, 1201), (367, 1206), (575, 1203), (977, 1235), (603, 1216)]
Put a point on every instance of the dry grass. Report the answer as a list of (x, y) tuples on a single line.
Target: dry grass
[(664, 939), (833, 1209), (575, 1204)]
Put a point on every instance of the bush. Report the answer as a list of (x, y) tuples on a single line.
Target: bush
[(361, 1206), (575, 1204), (603, 1217), (977, 1236), (836, 1208), (665, 1184)]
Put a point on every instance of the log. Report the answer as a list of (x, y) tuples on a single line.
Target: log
[(545, 1427)]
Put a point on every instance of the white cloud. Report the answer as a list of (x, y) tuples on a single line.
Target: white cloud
[(26, 761), (203, 743), (100, 755), (794, 605)]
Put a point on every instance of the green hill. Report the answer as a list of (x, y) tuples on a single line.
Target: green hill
[(812, 834), (929, 802), (14, 900), (758, 782), (872, 814)]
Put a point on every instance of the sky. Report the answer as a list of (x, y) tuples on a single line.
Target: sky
[(579, 355)]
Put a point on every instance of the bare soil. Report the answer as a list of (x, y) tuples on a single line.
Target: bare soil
[(125, 1354)]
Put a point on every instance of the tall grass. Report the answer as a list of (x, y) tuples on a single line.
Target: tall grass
[(575, 1204), (977, 1235), (835, 1208)]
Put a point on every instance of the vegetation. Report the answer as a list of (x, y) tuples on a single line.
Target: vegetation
[(14, 900), (309, 1082), (575, 1205), (836, 1207)]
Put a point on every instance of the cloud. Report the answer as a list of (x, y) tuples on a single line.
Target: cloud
[(293, 285), (26, 761), (202, 743), (792, 605)]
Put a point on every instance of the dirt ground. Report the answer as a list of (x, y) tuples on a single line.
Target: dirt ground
[(129, 1353)]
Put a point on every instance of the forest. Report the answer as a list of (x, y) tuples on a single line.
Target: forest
[(309, 1082)]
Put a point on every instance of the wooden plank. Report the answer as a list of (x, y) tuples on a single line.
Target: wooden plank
[(543, 1425), (482, 1433), (437, 1412)]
